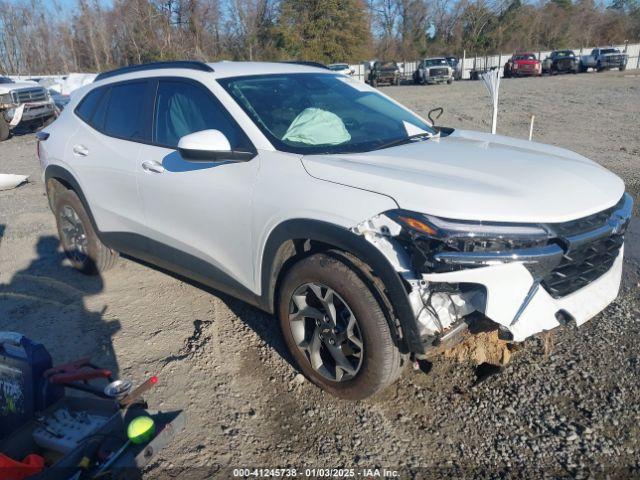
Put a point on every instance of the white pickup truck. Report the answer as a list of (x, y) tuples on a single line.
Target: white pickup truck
[(604, 59), (23, 103)]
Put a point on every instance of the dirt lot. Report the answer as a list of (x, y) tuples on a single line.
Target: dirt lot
[(570, 412)]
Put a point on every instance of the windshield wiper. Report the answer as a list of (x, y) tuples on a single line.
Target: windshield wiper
[(401, 141)]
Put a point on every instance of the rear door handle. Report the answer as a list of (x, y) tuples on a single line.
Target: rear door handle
[(80, 150), (151, 166)]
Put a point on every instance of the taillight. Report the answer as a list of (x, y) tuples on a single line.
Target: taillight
[(40, 137)]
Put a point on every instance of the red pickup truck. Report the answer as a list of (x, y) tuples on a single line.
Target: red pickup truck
[(521, 64)]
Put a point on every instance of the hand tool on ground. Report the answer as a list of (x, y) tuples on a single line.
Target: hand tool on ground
[(140, 430), (138, 392)]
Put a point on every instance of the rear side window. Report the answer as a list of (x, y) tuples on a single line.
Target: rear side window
[(184, 107), (125, 112), (88, 105)]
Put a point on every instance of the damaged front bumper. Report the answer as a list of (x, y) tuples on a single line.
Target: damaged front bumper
[(567, 277), (517, 302)]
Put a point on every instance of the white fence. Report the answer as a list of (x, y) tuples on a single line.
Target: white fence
[(471, 63)]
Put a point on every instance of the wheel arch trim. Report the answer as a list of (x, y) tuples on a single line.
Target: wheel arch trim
[(286, 233), (56, 172)]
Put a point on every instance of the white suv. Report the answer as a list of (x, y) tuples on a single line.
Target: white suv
[(373, 235)]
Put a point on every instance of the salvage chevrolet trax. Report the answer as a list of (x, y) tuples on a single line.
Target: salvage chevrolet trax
[(372, 235)]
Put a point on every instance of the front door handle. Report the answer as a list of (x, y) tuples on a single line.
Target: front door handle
[(80, 150), (151, 166)]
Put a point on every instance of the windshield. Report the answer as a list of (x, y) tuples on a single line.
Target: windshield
[(609, 50), (434, 62), (525, 56), (338, 66), (310, 113), (564, 53), (5, 80)]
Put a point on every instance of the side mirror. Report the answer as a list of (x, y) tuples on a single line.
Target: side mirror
[(210, 146)]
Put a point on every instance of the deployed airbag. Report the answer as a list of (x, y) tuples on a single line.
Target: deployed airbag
[(314, 126)]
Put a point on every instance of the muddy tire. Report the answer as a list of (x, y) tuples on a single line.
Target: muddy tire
[(4, 128), (79, 241), (336, 330)]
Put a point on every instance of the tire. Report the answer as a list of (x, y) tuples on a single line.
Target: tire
[(374, 83), (622, 68), (599, 67), (79, 241), (449, 81), (5, 132), (375, 365), (397, 82)]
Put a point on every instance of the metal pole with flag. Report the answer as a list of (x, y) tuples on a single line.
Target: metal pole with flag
[(491, 79)]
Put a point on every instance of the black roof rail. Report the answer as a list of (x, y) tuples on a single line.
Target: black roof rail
[(189, 64), (306, 63)]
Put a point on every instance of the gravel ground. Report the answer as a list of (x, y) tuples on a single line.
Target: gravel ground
[(569, 411)]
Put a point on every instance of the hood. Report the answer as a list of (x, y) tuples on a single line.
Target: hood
[(478, 176)]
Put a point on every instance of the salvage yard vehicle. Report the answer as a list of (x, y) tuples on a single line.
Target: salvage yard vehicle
[(23, 103), (384, 73), (373, 236), (522, 64), (604, 59), (561, 61), (343, 68), (432, 71)]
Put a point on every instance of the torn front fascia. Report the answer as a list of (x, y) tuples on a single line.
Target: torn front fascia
[(437, 306)]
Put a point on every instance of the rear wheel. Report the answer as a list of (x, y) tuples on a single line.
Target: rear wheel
[(336, 330), (4, 128), (79, 241)]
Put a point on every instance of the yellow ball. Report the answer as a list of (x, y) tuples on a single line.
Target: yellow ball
[(141, 430)]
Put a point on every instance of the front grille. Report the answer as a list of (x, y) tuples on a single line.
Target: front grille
[(27, 95), (564, 64), (581, 266), (438, 72), (585, 224)]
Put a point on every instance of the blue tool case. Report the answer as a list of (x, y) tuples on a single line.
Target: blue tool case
[(23, 388)]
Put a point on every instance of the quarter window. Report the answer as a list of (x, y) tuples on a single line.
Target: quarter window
[(125, 116), (183, 108), (88, 105)]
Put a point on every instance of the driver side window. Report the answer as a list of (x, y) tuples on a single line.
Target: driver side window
[(183, 108)]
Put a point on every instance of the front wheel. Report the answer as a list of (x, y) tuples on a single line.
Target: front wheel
[(335, 328), (622, 68), (79, 241)]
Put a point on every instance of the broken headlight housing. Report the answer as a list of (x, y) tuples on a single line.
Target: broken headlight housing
[(427, 235)]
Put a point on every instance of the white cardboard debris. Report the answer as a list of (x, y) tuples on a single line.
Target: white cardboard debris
[(9, 181)]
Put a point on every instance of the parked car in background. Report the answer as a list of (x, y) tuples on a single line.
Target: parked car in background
[(522, 64), (433, 70), (384, 73), (561, 61), (60, 100), (456, 65), (374, 237), (23, 103), (343, 68), (604, 59)]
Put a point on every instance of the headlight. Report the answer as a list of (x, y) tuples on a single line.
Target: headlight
[(9, 113), (6, 98), (470, 236)]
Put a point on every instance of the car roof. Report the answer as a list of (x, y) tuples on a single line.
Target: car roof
[(223, 69), (237, 69)]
